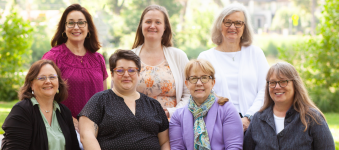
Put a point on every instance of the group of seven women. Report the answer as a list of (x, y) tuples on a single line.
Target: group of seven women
[(227, 99)]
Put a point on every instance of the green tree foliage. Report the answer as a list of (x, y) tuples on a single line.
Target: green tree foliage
[(316, 59), (41, 43), (15, 43)]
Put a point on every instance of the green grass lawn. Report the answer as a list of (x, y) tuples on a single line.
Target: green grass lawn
[(332, 120), (5, 108)]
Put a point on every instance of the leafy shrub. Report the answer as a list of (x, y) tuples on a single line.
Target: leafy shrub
[(317, 61), (15, 43)]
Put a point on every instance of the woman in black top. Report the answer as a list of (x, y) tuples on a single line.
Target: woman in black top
[(122, 118)]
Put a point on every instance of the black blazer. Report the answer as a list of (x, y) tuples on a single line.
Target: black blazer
[(25, 129)]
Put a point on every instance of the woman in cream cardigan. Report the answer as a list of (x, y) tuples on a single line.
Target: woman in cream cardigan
[(162, 67), (240, 67)]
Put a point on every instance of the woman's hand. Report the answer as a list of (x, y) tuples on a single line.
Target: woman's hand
[(245, 123), (76, 124), (167, 113)]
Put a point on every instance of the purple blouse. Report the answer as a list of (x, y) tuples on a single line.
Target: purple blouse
[(84, 75)]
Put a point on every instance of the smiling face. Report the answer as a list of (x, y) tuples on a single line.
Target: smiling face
[(233, 34), (199, 91), (45, 89), (76, 34), (125, 82), (282, 95), (153, 25)]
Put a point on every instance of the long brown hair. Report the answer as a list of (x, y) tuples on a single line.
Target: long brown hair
[(25, 91), (92, 43), (166, 37), (301, 102)]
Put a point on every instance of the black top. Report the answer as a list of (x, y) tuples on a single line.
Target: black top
[(119, 128), (25, 129)]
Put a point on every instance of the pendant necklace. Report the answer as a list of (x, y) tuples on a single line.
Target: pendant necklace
[(233, 55), (79, 58)]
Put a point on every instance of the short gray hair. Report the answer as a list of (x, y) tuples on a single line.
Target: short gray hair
[(247, 36)]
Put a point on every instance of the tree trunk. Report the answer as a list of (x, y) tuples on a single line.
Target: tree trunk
[(313, 5), (183, 13), (117, 8)]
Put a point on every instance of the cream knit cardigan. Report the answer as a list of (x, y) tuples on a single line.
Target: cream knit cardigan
[(177, 60)]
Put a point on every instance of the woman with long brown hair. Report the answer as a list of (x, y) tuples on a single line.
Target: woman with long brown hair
[(162, 65), (75, 45), (288, 119)]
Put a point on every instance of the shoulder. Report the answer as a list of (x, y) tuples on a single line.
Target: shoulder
[(22, 108), (227, 108), (179, 113), (97, 56), (102, 95), (206, 54), (317, 116), (176, 51), (64, 109), (54, 52), (25, 104), (150, 100), (254, 49)]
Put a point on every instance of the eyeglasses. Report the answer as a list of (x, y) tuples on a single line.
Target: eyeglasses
[(273, 84), (121, 71), (203, 79), (71, 24), (44, 78), (237, 24)]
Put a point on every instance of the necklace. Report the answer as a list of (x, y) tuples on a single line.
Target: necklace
[(81, 57), (233, 55), (46, 111)]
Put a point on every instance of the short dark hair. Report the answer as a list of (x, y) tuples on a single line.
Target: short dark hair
[(123, 54), (25, 91), (166, 37), (92, 43)]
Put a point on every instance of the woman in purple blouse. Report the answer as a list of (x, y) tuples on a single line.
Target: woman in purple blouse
[(203, 124), (74, 51)]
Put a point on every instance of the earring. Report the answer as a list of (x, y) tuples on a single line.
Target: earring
[(32, 92), (62, 34), (58, 91), (88, 35), (242, 37)]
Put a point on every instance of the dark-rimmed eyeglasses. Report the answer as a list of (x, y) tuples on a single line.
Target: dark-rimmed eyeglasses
[(44, 78), (282, 83), (237, 24), (131, 71), (203, 79), (71, 24)]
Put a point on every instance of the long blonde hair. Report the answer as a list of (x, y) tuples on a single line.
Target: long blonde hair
[(301, 102)]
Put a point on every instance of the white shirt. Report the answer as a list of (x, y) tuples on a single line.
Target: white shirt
[(251, 80), (232, 59), (279, 123)]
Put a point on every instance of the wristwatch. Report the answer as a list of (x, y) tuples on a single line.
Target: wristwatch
[(249, 117)]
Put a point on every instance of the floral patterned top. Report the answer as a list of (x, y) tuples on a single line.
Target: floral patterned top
[(158, 82)]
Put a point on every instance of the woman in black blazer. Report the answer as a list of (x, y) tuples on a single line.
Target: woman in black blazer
[(39, 121)]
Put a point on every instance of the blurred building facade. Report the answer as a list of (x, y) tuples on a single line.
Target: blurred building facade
[(263, 11)]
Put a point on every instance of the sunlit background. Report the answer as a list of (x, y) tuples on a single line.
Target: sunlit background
[(302, 32)]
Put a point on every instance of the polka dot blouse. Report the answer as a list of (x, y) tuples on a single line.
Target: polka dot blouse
[(119, 128)]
